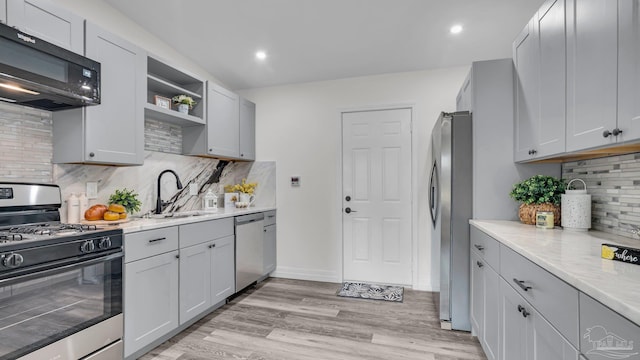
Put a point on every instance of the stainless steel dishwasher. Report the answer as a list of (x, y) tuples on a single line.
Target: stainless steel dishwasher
[(249, 239)]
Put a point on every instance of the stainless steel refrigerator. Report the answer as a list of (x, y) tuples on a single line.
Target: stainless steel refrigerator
[(450, 202)]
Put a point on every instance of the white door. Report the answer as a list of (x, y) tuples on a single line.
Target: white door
[(376, 196)]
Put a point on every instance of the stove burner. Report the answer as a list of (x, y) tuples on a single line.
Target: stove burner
[(51, 229)]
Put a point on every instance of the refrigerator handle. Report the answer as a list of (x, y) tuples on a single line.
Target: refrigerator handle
[(434, 193)]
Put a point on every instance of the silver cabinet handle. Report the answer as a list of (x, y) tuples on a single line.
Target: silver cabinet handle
[(479, 247), (521, 284)]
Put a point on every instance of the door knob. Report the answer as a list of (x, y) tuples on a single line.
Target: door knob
[(348, 210)]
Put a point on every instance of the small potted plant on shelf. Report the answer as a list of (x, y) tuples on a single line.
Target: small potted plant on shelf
[(184, 102), (538, 193)]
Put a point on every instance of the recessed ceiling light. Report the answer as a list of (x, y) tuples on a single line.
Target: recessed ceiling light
[(456, 29), (261, 55)]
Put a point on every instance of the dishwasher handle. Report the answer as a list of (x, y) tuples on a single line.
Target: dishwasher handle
[(246, 219)]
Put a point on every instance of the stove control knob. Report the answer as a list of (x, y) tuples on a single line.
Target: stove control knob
[(87, 246), (104, 243), (12, 260)]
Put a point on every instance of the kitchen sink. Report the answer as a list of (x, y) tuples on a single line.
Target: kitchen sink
[(177, 214)]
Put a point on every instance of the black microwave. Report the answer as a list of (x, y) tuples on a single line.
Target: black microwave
[(39, 74)]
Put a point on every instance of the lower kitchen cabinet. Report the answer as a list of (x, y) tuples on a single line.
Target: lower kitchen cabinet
[(269, 248), (525, 334), (150, 300), (223, 269), (195, 280), (485, 304)]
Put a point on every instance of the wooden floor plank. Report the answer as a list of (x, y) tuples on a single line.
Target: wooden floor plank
[(284, 319)]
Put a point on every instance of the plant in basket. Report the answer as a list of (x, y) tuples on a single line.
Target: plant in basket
[(538, 193)]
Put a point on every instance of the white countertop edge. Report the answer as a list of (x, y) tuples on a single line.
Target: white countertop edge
[(568, 275), (141, 224)]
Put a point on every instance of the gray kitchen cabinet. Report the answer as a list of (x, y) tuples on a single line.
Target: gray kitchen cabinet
[(463, 100), (230, 129), (269, 248), (223, 270), (592, 73), (150, 300), (477, 294), (539, 58), (112, 132), (195, 280), (247, 129), (491, 333), (49, 22), (606, 334), (526, 334), (629, 69)]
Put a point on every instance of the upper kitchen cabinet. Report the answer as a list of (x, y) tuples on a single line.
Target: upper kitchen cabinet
[(163, 83), (230, 129), (247, 129), (112, 132), (592, 73), (629, 69), (42, 18), (539, 58)]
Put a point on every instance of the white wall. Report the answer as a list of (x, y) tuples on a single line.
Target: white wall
[(299, 127), (111, 19)]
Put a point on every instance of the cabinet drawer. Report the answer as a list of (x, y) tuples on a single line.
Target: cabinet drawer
[(604, 334), (487, 247), (556, 300), (196, 233), (269, 217), (148, 243)]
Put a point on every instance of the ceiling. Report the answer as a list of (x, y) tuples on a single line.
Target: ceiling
[(311, 40)]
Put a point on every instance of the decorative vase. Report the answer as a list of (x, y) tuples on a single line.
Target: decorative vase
[(249, 199), (527, 213), (183, 108), (576, 208)]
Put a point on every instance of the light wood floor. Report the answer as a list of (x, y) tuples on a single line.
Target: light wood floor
[(285, 319)]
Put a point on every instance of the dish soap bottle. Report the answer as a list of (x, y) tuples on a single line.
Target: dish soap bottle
[(210, 202)]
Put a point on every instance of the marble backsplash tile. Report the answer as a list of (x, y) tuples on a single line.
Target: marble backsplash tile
[(72, 178)]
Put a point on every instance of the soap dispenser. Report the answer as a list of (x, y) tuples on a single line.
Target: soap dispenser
[(210, 202)]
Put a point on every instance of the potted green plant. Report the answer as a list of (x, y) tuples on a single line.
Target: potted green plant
[(538, 193), (184, 102), (127, 198)]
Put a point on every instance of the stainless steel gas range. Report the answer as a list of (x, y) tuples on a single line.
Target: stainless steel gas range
[(60, 284)]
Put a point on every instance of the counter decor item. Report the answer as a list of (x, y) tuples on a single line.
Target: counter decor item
[(576, 208), (162, 102), (539, 193), (230, 199), (544, 219), (210, 201), (621, 253), (73, 209), (184, 102), (245, 191), (127, 198)]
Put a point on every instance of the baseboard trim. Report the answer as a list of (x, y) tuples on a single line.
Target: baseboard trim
[(288, 272)]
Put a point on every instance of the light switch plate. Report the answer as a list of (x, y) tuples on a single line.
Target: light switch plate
[(193, 189), (92, 190)]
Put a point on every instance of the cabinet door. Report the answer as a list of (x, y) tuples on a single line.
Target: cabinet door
[(223, 281), (629, 69), (269, 250), (491, 332), (552, 56), (195, 280), (513, 332), (150, 300), (247, 130), (223, 122), (592, 55), (545, 342), (43, 19), (115, 128), (527, 85), (477, 294)]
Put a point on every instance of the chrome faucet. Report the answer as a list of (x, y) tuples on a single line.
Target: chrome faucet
[(159, 203)]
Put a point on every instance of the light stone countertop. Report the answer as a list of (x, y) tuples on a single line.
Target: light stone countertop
[(575, 258), (141, 224)]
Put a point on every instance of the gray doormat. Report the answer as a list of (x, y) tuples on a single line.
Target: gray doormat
[(371, 291)]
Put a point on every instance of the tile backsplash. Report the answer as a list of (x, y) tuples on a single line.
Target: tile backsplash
[(614, 185)]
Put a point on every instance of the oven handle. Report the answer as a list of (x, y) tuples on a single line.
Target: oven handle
[(60, 267)]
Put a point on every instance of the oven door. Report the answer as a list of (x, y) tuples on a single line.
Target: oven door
[(43, 307)]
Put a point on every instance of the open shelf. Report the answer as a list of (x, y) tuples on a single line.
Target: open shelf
[(152, 111), (168, 81)]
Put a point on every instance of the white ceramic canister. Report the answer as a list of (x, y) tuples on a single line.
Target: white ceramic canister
[(575, 208), (73, 209)]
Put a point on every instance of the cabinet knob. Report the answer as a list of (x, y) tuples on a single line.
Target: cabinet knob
[(210, 150), (533, 151), (479, 264), (606, 133), (178, 256), (212, 246), (241, 155), (616, 132), (91, 154)]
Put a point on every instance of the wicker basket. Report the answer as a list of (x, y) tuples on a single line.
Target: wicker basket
[(527, 213)]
